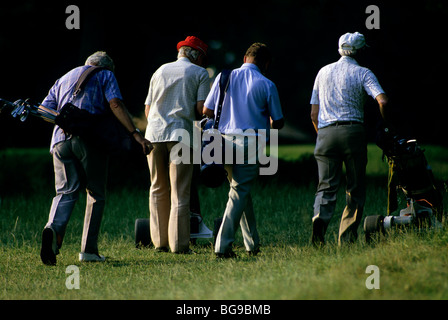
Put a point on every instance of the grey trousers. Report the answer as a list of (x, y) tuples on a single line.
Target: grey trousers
[(336, 145), (74, 162)]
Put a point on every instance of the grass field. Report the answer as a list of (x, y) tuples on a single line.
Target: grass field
[(412, 264)]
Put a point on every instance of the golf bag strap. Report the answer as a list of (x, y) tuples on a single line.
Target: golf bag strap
[(223, 85), (83, 79)]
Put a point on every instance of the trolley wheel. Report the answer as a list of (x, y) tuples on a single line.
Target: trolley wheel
[(372, 226), (142, 233)]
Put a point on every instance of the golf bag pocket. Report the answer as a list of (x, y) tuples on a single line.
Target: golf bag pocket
[(212, 172)]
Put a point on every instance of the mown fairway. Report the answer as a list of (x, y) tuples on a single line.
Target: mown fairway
[(412, 264)]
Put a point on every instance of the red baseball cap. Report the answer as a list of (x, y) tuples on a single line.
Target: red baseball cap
[(194, 43)]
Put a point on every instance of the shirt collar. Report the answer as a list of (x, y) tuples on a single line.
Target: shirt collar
[(349, 60), (183, 59), (250, 66)]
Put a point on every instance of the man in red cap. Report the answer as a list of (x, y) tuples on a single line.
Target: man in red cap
[(198, 45), (176, 96)]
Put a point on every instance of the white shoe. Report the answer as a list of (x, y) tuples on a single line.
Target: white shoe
[(91, 257), (204, 232)]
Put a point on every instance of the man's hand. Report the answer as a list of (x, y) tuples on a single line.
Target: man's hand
[(122, 114), (208, 113), (146, 144), (277, 124)]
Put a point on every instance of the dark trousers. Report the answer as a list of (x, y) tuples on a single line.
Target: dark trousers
[(336, 145)]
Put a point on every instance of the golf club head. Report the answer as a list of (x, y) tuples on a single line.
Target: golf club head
[(24, 115), (20, 110)]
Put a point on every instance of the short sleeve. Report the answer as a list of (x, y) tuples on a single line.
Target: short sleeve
[(275, 109), (315, 93), (213, 96), (50, 100), (204, 86), (371, 85), (111, 89)]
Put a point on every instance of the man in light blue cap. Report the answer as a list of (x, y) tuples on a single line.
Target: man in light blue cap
[(337, 113)]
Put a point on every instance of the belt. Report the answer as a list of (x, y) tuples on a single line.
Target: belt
[(344, 123)]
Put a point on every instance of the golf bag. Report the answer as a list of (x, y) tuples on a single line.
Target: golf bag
[(213, 174), (104, 131), (409, 172)]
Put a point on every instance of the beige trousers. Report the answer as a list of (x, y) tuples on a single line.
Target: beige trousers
[(169, 199), (239, 210)]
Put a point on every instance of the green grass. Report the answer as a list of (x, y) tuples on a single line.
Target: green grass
[(412, 264)]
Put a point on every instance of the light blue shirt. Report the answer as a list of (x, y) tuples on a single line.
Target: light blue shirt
[(97, 92), (250, 101), (340, 91)]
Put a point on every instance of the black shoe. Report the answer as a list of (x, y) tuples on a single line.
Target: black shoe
[(187, 251), (227, 255), (317, 238), (253, 253), (47, 253), (162, 249)]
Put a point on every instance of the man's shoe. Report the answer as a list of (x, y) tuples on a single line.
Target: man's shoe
[(227, 255), (253, 253), (49, 247), (91, 257), (186, 251), (319, 228)]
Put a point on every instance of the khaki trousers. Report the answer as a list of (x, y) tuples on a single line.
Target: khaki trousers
[(336, 145), (169, 199), (239, 209), (76, 161)]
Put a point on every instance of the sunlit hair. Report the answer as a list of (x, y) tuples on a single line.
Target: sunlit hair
[(260, 52), (188, 52), (349, 53), (100, 59)]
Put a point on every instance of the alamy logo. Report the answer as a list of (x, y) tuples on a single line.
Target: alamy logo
[(241, 147), (373, 21), (373, 281), (72, 281), (73, 20)]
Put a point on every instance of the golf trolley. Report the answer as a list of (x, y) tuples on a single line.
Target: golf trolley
[(409, 172)]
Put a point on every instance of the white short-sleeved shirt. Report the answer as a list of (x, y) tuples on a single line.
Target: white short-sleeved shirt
[(340, 91), (250, 101), (174, 90)]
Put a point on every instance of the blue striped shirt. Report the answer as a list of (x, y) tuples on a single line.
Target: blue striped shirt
[(98, 91)]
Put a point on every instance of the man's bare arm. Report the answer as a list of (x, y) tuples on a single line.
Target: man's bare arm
[(314, 116)]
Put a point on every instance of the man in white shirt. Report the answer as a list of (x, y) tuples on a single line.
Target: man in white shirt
[(251, 103), (337, 113), (177, 92)]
